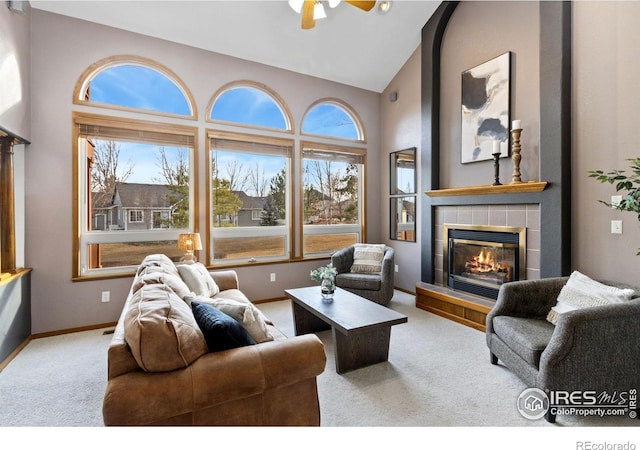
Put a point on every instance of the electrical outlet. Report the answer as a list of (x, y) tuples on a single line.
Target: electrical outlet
[(273, 277), (396, 268), (106, 296), (616, 227), (615, 200)]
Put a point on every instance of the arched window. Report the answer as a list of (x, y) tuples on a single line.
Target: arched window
[(136, 180), (251, 176), (131, 82), (332, 118), (252, 104), (333, 179)]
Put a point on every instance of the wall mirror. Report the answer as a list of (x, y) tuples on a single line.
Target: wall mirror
[(403, 172), (402, 190), (403, 218)]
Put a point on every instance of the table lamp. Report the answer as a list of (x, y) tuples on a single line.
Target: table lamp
[(189, 242)]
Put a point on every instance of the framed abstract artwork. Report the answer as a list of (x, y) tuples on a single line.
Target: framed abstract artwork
[(485, 110)]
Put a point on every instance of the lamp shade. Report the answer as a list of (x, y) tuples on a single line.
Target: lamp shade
[(296, 5), (189, 242), (318, 11)]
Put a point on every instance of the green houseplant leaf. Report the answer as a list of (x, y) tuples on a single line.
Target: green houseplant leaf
[(628, 184)]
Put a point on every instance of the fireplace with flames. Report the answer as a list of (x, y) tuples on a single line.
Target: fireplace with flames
[(479, 259)]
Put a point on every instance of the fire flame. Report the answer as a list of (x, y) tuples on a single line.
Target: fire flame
[(488, 264), (482, 259), (485, 262)]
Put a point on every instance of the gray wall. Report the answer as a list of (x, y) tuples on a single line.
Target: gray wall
[(478, 32), (62, 49), (605, 117), (606, 40), (401, 128)]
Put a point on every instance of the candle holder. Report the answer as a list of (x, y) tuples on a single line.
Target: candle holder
[(496, 168), (515, 156)]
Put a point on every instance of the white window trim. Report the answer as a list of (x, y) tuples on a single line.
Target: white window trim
[(136, 211), (164, 215)]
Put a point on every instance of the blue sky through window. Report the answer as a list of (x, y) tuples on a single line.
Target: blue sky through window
[(144, 160), (133, 85), (138, 87), (330, 120), (249, 106)]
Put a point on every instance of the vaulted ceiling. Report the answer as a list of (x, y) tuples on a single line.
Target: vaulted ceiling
[(350, 46)]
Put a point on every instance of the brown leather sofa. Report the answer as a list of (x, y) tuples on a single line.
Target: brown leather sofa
[(269, 383)]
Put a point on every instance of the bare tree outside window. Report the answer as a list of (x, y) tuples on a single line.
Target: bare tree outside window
[(107, 168), (331, 192), (174, 170)]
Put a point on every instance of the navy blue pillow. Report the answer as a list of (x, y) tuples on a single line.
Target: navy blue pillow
[(221, 331)]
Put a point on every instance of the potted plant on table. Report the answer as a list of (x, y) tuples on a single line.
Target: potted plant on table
[(628, 184), (326, 275)]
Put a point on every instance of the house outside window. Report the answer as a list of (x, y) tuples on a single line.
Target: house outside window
[(332, 178), (332, 191), (135, 179), (250, 207), (250, 184)]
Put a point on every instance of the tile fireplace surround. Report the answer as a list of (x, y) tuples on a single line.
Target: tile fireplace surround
[(527, 216), (459, 306), (550, 239)]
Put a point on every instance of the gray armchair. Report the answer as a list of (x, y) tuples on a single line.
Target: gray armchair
[(377, 287), (588, 349)]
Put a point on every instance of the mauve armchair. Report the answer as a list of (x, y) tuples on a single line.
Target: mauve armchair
[(377, 287)]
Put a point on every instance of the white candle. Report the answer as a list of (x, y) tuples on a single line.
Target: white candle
[(516, 125), (496, 147)]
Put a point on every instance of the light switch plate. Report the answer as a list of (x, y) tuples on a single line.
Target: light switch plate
[(616, 227)]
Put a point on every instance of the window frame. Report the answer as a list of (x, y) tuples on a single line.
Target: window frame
[(140, 211), (275, 97), (357, 121), (249, 231), (85, 237), (360, 227), (80, 90)]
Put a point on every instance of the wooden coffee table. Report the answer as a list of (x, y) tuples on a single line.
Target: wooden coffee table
[(361, 328)]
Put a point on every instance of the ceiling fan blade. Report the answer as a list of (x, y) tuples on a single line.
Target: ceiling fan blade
[(365, 6), (308, 21)]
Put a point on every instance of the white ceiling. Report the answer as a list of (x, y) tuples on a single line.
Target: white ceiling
[(350, 46)]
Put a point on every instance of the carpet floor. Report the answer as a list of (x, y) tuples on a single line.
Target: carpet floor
[(438, 375)]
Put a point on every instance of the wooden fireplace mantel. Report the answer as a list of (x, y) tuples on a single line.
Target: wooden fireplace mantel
[(512, 188)]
